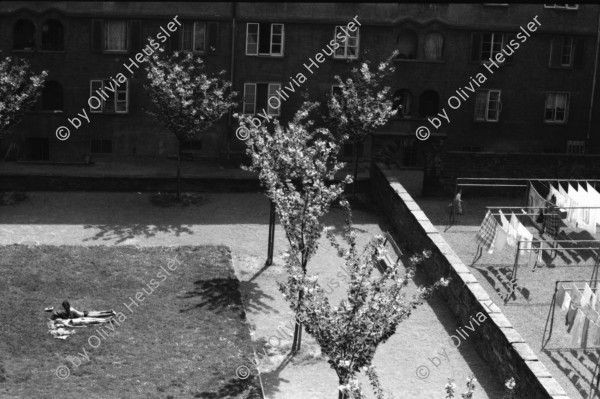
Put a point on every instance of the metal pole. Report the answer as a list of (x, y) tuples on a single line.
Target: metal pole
[(271, 238)]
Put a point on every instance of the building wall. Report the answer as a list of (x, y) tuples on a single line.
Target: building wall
[(308, 28)]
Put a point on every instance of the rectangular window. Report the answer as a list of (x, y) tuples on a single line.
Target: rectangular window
[(265, 39), (101, 146), (193, 36), (563, 50), (488, 106), (115, 35), (575, 147), (348, 48), (556, 108), (486, 45), (336, 90), (256, 98), (106, 100), (562, 6)]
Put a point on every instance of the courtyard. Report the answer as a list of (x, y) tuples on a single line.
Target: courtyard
[(98, 249)]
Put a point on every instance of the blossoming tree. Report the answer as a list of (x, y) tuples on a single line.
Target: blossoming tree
[(19, 90), (350, 333), (187, 100), (361, 105), (297, 165)]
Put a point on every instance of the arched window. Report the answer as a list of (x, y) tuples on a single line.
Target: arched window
[(402, 103), (429, 103), (433, 46), (52, 36), (407, 45), (52, 96), (24, 35)]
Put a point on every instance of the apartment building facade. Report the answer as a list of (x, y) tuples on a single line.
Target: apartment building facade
[(539, 100)]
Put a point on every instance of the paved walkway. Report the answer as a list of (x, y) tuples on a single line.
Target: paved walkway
[(240, 221)]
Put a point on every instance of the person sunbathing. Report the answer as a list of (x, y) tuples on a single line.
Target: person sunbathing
[(72, 313)]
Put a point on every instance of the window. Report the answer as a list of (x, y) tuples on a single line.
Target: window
[(348, 48), (256, 98), (402, 103), (115, 35), (406, 43), (24, 35), (433, 47), (562, 6), (566, 52), (39, 148), (488, 106), (111, 99), (52, 96), (101, 146), (486, 45), (52, 36), (193, 36), (556, 108), (336, 90), (576, 147), (264, 39), (429, 103)]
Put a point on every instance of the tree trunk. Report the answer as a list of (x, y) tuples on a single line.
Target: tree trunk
[(298, 329), (179, 172), (271, 240), (340, 394), (355, 168)]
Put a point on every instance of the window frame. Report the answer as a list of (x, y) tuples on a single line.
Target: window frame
[(35, 44), (573, 7), (272, 88), (272, 35), (487, 106), (553, 47), (102, 146), (194, 24), (115, 98), (62, 26), (345, 45), (567, 106)]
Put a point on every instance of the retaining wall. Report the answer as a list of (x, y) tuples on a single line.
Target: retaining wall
[(496, 340)]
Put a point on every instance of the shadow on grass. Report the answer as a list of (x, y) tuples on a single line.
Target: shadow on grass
[(218, 294), (108, 232), (573, 364), (248, 389)]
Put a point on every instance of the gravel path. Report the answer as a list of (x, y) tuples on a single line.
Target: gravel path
[(240, 221)]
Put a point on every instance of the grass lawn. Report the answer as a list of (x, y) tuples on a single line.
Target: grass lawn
[(183, 338)]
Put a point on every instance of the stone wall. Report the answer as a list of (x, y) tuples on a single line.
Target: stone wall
[(496, 340)]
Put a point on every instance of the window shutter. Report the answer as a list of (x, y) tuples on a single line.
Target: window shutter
[(273, 87), (476, 47), (249, 99), (251, 39), (277, 39), (481, 105), (96, 85), (579, 51), (213, 37), (122, 98), (135, 36), (174, 42), (96, 36), (508, 38), (556, 51)]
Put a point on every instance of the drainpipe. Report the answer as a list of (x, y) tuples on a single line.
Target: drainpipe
[(589, 129), (231, 76)]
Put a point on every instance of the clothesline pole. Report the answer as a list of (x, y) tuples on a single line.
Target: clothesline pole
[(550, 317)]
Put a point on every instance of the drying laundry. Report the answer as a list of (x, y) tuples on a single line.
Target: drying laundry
[(487, 232)]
